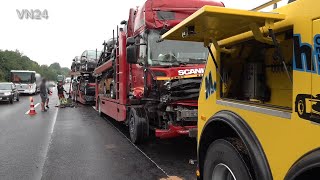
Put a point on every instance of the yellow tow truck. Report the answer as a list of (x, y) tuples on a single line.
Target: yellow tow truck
[(259, 105)]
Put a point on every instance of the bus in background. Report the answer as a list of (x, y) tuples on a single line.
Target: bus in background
[(38, 82), (24, 80)]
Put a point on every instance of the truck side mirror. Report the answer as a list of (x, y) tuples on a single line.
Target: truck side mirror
[(130, 41), (132, 54)]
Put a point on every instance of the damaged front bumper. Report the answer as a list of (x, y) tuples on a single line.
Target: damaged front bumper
[(175, 131)]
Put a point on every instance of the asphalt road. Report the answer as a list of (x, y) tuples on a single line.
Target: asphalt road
[(75, 143)]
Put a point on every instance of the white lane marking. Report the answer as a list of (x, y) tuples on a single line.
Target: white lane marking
[(34, 107), (94, 107), (138, 148), (45, 153)]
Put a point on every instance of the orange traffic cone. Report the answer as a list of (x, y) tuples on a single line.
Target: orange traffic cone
[(32, 110)]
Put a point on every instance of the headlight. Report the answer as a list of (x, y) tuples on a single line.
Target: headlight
[(7, 93)]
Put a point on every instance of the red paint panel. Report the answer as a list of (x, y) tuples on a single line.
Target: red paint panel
[(109, 108)]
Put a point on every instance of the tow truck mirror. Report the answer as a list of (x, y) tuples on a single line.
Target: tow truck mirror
[(130, 41), (132, 54)]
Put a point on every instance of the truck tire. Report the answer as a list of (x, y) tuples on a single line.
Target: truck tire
[(138, 126), (224, 162)]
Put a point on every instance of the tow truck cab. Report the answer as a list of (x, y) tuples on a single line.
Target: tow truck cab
[(259, 101)]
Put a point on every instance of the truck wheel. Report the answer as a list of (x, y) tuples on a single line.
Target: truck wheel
[(224, 162), (301, 107), (137, 126)]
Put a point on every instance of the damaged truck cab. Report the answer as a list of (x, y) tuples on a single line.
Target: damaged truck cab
[(259, 101), (153, 84), (165, 75)]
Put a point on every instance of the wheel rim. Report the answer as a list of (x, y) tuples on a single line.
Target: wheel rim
[(222, 172), (300, 107)]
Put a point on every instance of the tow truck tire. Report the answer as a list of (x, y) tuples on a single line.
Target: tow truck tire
[(138, 126), (224, 162)]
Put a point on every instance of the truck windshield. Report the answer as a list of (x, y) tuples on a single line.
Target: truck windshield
[(22, 77), (5, 86), (171, 53)]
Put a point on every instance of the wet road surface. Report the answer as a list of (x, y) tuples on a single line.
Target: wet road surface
[(75, 143)]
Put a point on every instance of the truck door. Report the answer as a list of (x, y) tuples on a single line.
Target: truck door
[(315, 89)]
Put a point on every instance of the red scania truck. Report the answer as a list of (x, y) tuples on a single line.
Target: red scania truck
[(150, 84)]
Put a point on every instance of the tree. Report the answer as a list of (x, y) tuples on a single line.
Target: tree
[(14, 60)]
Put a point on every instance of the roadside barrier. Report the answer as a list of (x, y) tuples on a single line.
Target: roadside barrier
[(32, 110)]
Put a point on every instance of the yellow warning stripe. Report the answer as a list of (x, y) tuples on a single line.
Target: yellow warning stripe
[(161, 78)]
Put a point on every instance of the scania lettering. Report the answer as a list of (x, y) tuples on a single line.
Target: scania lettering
[(191, 71)]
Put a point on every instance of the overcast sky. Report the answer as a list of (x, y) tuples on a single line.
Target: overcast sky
[(72, 26)]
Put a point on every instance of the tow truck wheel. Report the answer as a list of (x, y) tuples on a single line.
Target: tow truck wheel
[(301, 108), (224, 162), (137, 126)]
